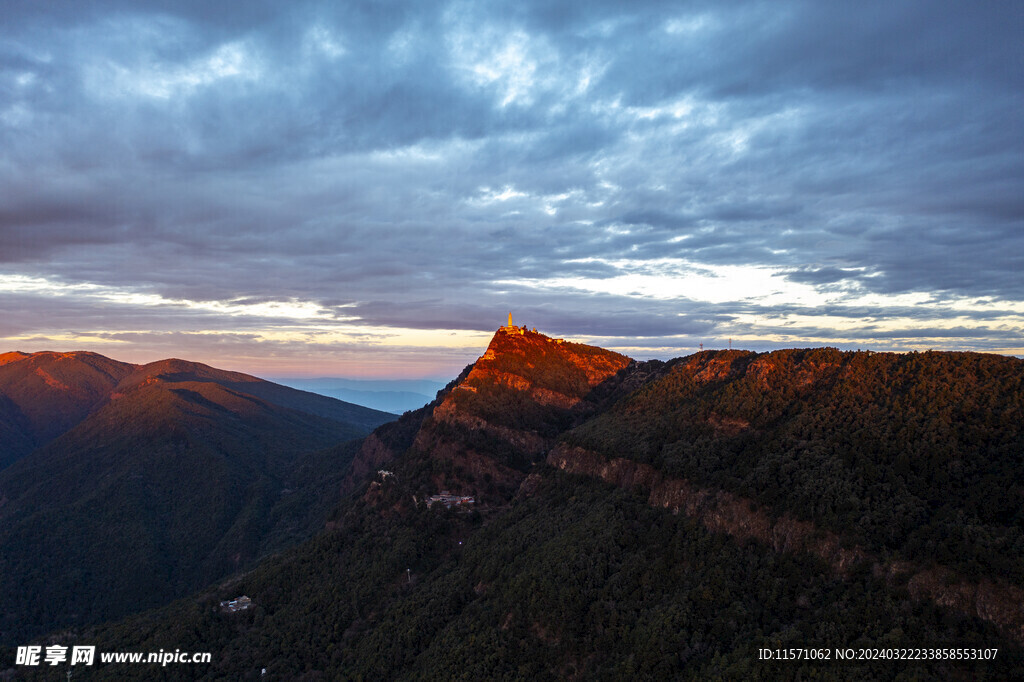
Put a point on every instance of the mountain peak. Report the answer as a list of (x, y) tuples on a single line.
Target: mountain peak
[(44, 394), (49, 356), (555, 369), (13, 356), (501, 416), (175, 370)]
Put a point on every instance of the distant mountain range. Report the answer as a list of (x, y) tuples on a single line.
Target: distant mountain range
[(652, 520), (390, 395), (129, 485)]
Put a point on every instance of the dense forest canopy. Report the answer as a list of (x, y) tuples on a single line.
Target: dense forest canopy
[(910, 461)]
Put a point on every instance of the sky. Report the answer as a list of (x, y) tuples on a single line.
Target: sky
[(366, 189)]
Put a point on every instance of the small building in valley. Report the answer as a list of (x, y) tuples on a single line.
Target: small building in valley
[(236, 604), (449, 500)]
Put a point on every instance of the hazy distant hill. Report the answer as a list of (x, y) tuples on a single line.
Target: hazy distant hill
[(395, 396), (179, 474), (651, 520)]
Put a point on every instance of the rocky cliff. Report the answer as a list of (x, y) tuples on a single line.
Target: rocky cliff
[(723, 512), (501, 416)]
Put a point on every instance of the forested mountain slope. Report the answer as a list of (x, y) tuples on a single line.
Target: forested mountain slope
[(656, 520), (177, 477), (918, 456)]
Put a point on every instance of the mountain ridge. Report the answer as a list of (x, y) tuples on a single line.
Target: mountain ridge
[(46, 393), (181, 471), (486, 402), (651, 519), (514, 398)]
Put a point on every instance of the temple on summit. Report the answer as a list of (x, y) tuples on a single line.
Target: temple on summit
[(513, 329)]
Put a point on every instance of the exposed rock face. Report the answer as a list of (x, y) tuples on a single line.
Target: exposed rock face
[(447, 412), (373, 453), (549, 372), (718, 510), (507, 410), (998, 603), (723, 512), (386, 444), (500, 416)]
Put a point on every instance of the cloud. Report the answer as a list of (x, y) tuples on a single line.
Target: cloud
[(429, 166)]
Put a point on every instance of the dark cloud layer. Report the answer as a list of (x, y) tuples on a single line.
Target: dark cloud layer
[(428, 165)]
